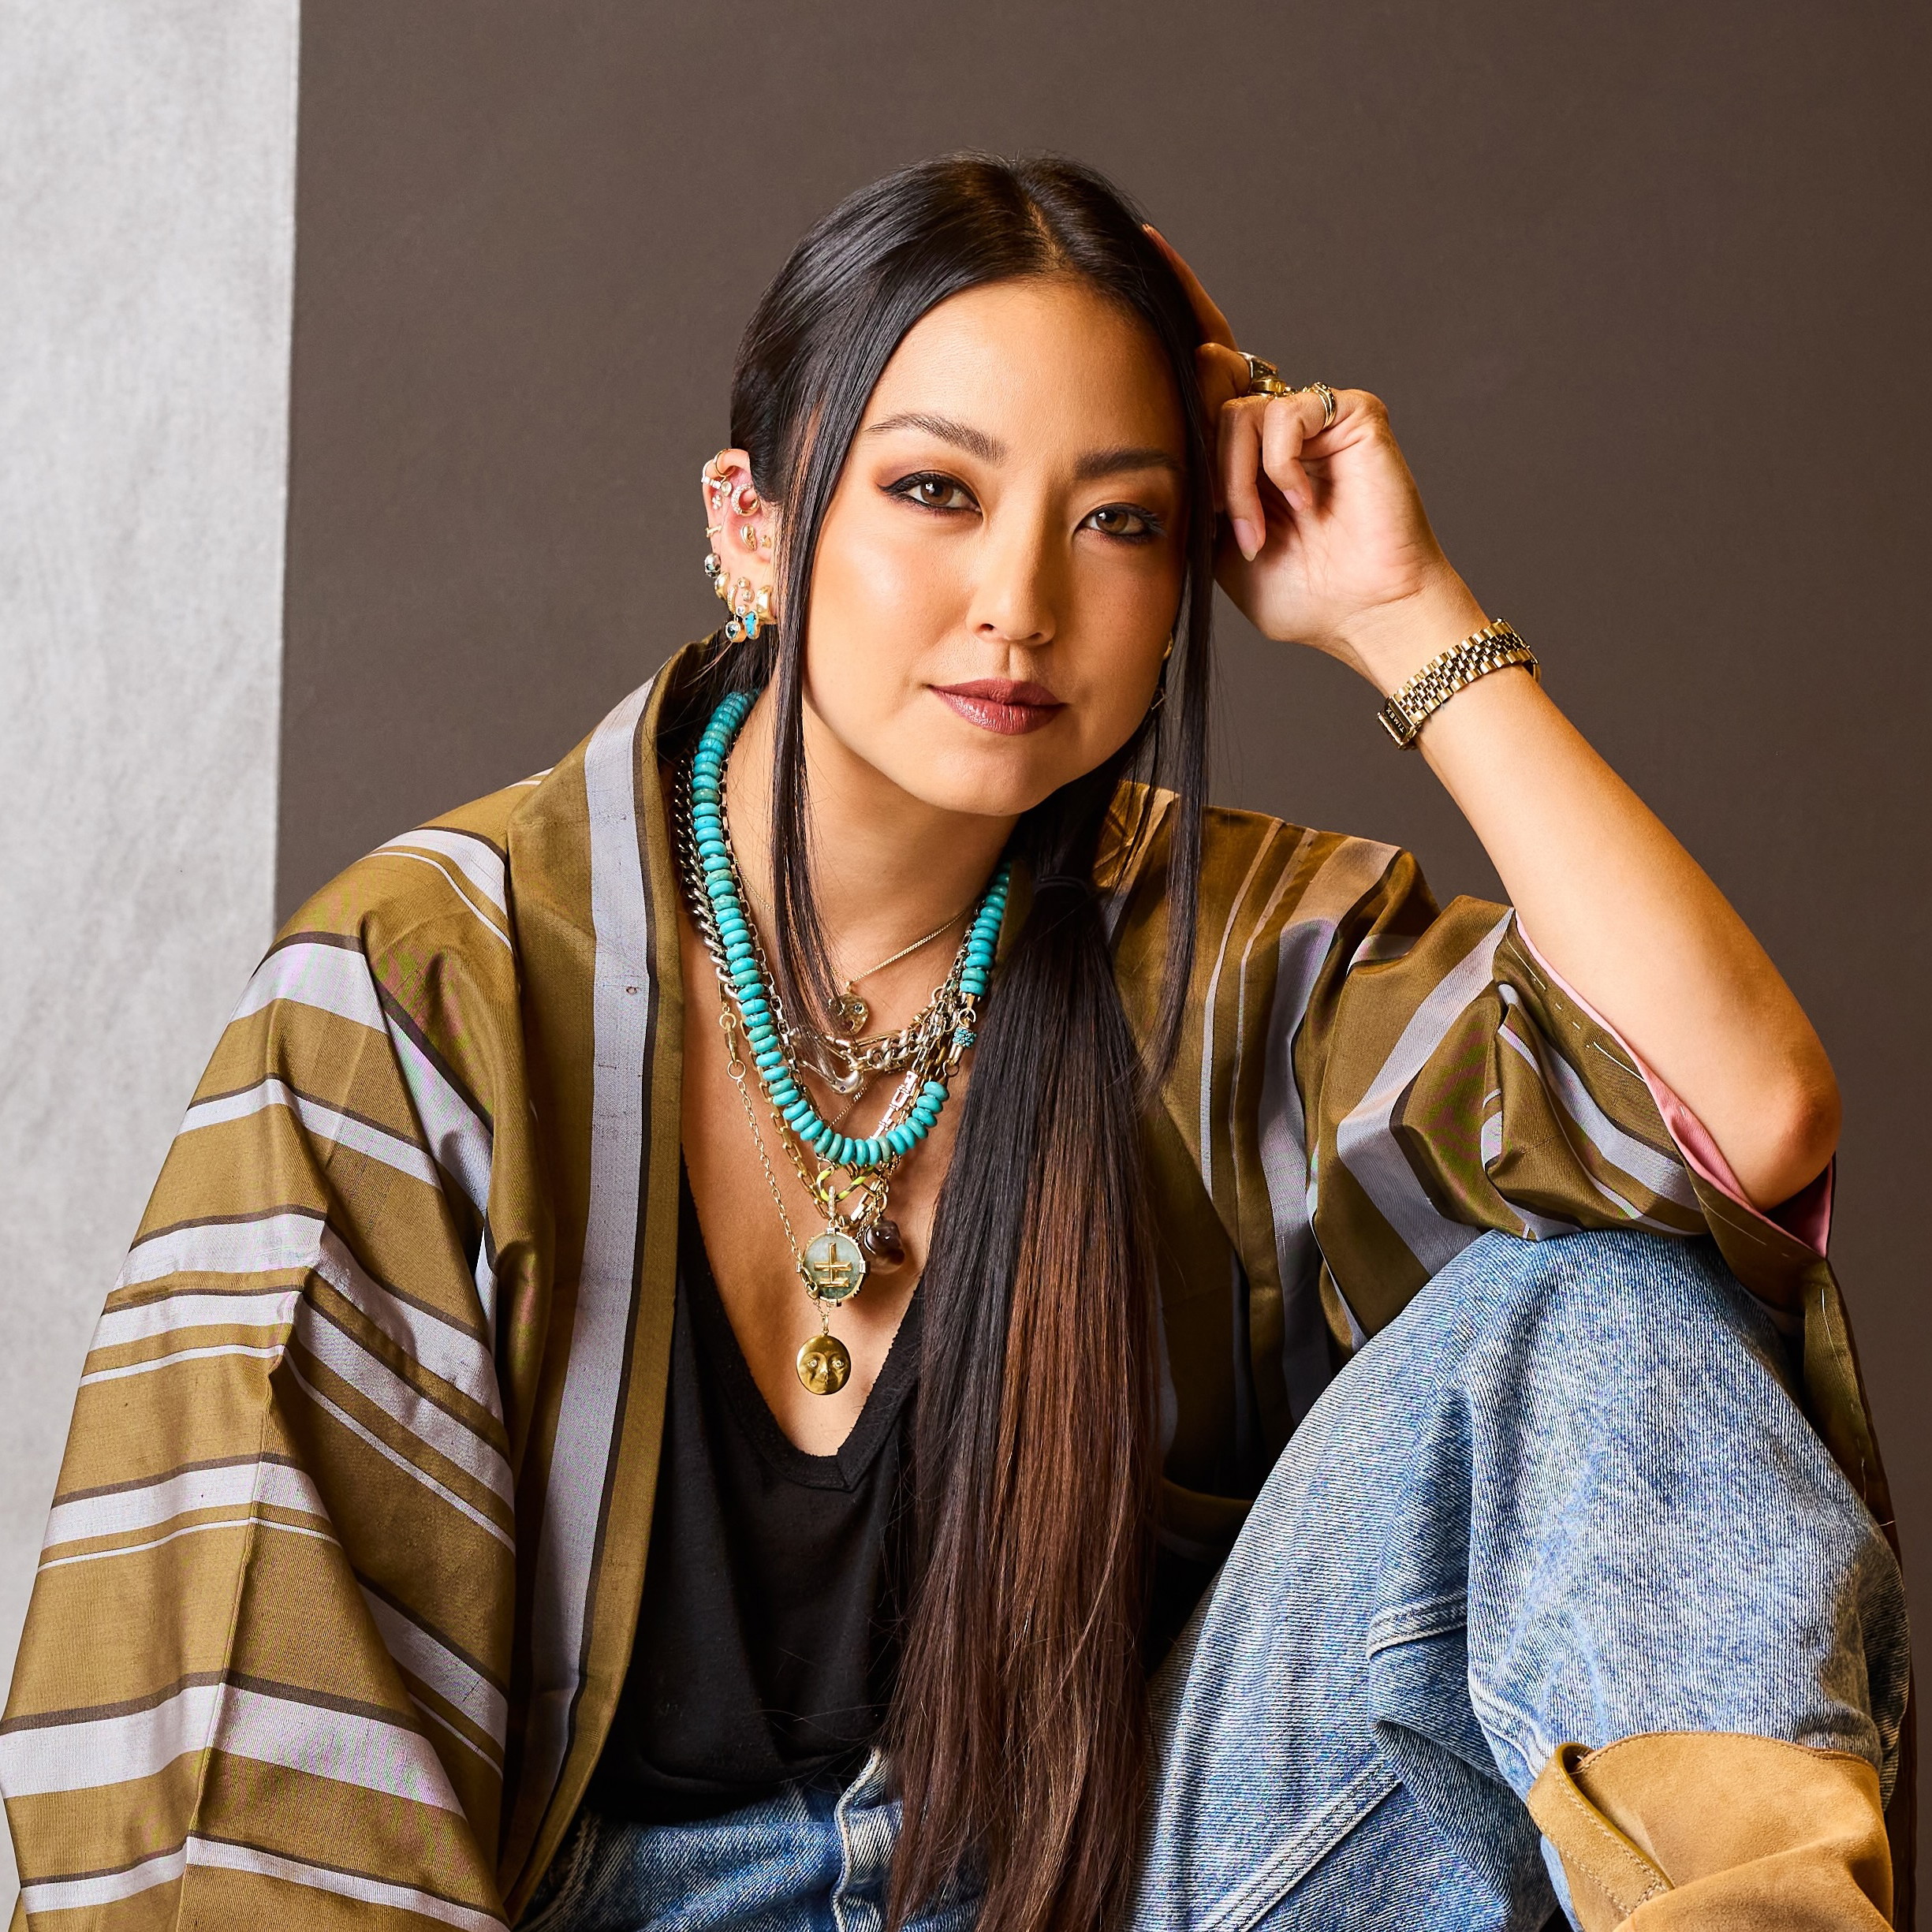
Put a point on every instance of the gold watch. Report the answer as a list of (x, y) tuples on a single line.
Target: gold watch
[(1495, 647)]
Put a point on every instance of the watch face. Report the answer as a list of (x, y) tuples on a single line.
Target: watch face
[(836, 1265)]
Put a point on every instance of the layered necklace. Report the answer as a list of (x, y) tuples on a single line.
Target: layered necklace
[(849, 1177)]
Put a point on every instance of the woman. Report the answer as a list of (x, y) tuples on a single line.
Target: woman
[(558, 1453)]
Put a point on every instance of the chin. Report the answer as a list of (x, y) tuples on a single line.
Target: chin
[(1000, 779)]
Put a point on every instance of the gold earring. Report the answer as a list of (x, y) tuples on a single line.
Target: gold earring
[(749, 610)]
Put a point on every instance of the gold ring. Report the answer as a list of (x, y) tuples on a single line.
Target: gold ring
[(1328, 401), (1263, 378), (1329, 406)]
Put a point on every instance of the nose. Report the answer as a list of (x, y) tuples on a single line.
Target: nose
[(1017, 596)]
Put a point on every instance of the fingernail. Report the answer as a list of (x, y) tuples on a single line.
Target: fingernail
[(1246, 538)]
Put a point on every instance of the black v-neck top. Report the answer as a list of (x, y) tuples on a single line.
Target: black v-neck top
[(767, 1642)]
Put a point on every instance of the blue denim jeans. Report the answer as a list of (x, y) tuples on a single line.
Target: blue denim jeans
[(1566, 1497)]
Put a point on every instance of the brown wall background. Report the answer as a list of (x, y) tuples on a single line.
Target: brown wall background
[(1646, 288)]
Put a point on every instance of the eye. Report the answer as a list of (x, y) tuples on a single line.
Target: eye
[(932, 490), (1123, 521)]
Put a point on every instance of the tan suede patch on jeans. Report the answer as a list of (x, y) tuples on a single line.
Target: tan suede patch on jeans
[(1706, 1829), (1610, 1876)]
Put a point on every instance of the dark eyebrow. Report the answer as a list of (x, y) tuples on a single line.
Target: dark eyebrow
[(1099, 463), (1095, 464), (988, 448)]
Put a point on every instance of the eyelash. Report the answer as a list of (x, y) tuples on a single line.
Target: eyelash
[(906, 487)]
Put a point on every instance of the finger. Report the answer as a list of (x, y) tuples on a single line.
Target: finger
[(1234, 573), (1213, 323), (1288, 425), (1222, 374), (1240, 463)]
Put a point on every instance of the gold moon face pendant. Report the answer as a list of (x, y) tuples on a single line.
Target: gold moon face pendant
[(824, 1365), (836, 1265)]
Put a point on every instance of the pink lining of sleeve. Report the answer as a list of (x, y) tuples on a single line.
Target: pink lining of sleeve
[(1806, 1217)]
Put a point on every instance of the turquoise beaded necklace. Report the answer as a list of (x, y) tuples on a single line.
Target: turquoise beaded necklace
[(833, 1265)]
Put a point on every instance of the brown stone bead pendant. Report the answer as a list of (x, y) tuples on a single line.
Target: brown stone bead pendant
[(824, 1365), (884, 1245)]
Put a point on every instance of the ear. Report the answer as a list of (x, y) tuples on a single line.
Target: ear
[(742, 526)]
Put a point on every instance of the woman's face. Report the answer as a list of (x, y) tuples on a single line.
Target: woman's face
[(999, 569)]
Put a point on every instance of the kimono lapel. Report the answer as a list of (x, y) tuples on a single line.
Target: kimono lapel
[(597, 925)]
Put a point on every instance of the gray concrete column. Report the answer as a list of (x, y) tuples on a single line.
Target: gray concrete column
[(147, 228)]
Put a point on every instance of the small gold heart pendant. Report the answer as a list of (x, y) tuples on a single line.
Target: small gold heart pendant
[(849, 1014)]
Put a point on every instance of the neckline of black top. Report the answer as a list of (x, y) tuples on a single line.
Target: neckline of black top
[(845, 1468)]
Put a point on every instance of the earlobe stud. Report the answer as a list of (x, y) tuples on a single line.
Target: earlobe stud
[(750, 609)]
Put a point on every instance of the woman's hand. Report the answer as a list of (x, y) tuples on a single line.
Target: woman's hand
[(1327, 542)]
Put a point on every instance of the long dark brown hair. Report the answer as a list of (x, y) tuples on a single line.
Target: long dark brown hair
[(1018, 1732)]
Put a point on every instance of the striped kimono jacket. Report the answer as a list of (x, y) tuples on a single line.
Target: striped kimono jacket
[(337, 1592)]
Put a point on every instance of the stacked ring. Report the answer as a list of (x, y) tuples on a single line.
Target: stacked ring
[(1264, 379), (1328, 401)]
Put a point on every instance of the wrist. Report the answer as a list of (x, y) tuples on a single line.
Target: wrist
[(1495, 646), (1390, 642)]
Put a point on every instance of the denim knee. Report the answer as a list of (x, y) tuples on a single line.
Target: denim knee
[(1658, 1539), (1647, 1300)]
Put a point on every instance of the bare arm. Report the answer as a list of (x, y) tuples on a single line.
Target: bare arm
[(1621, 910), (1327, 544)]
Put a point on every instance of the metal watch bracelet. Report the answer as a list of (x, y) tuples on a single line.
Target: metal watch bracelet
[(1495, 647)]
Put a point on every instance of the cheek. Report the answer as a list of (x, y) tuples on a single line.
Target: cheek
[(1113, 655), (880, 597)]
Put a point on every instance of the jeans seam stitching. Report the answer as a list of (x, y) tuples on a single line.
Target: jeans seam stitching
[(841, 1815), (1293, 1861), (1509, 1724), (1411, 1622)]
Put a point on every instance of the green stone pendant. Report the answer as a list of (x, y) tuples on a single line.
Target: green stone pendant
[(836, 1265)]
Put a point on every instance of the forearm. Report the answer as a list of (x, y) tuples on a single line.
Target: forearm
[(1620, 908)]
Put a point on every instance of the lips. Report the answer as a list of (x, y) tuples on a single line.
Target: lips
[(1002, 705)]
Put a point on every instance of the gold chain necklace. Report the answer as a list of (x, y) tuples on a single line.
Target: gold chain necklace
[(859, 1237), (825, 1363), (850, 1013)]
